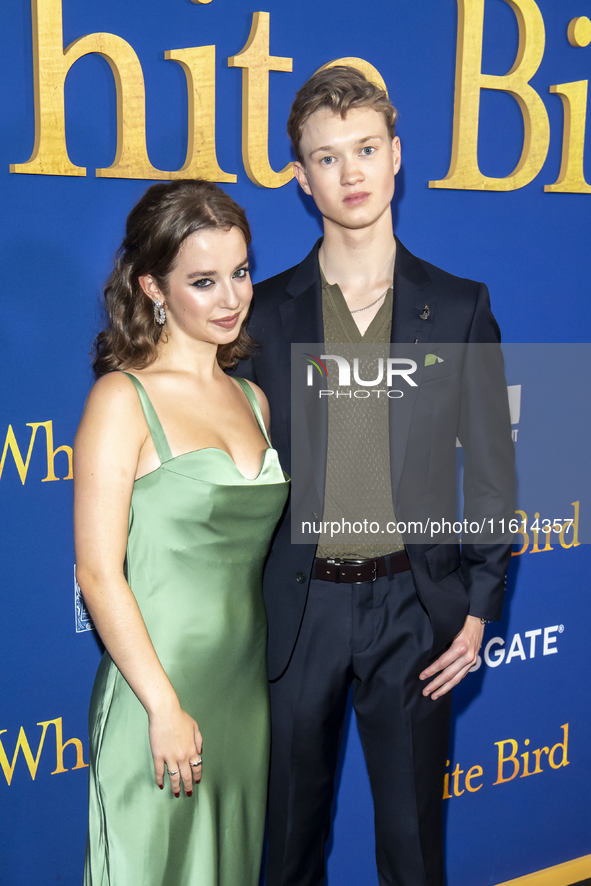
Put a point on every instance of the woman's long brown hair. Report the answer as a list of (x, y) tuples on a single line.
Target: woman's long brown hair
[(157, 227)]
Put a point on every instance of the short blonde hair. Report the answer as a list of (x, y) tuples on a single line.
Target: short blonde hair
[(338, 88)]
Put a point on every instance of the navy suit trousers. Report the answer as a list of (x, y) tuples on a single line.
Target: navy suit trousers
[(376, 637)]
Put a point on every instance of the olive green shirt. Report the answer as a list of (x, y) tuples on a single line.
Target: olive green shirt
[(358, 485)]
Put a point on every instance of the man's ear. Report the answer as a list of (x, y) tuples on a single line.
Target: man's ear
[(300, 174), (396, 154), (150, 287)]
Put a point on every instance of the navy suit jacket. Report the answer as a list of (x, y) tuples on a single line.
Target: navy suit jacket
[(450, 400)]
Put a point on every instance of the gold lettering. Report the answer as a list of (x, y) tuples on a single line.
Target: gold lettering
[(51, 65), (23, 744), (10, 443), (563, 745), (199, 66), (526, 771), (371, 73), (525, 757), (510, 759), (446, 793), (535, 547), (456, 777), (579, 31), (256, 63), (571, 178), (51, 454), (537, 754), (474, 772), (23, 466), (464, 172), (522, 531), (61, 745), (575, 527)]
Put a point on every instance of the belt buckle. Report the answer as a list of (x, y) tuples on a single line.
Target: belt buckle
[(337, 563), (374, 564)]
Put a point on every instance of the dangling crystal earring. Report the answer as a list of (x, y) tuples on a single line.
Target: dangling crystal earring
[(159, 312)]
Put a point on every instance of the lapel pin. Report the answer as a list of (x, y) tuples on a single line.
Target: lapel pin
[(425, 314)]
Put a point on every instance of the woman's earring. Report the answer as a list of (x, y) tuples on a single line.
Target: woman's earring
[(159, 312)]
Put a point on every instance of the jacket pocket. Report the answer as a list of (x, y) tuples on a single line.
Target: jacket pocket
[(442, 560)]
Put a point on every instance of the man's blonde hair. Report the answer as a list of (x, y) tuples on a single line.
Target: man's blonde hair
[(339, 89)]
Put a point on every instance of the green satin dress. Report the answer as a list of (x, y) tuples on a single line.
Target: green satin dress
[(199, 532)]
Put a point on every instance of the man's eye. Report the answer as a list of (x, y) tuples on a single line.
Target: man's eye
[(367, 150), (326, 161)]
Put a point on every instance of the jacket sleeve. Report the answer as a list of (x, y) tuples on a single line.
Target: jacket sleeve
[(489, 484)]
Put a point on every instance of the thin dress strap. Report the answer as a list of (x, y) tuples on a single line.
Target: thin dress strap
[(153, 422), (251, 396)]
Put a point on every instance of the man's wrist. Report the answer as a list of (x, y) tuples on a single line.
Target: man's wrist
[(478, 618)]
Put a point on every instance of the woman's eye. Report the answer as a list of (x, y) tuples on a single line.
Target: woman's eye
[(203, 283), (241, 273)]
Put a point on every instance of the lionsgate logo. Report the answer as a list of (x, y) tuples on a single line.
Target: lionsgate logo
[(389, 371)]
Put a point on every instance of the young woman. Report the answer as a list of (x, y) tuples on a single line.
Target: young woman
[(177, 494)]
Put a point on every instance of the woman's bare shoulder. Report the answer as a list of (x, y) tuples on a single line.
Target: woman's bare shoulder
[(115, 390), (113, 402)]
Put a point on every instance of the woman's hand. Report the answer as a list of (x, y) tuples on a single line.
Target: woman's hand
[(176, 741)]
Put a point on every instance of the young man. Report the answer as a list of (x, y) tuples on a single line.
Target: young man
[(401, 622)]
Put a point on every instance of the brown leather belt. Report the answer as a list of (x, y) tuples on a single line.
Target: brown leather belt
[(357, 571)]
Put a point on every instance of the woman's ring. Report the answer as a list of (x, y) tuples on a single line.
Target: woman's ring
[(198, 763), (173, 771)]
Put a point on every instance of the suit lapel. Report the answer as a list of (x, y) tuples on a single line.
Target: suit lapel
[(301, 319), (301, 315), (411, 295)]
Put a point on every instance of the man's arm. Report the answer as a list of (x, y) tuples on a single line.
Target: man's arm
[(485, 434)]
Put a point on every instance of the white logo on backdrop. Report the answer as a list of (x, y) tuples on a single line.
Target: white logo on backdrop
[(537, 642), (514, 393), (81, 613)]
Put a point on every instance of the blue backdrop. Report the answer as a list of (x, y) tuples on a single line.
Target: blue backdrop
[(508, 811)]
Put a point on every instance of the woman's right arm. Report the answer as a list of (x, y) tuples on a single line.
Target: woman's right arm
[(108, 442)]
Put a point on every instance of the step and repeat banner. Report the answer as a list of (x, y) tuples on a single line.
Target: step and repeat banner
[(99, 100)]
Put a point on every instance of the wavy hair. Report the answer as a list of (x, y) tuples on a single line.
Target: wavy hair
[(157, 226), (338, 88)]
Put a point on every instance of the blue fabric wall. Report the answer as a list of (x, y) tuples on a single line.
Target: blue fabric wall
[(530, 247)]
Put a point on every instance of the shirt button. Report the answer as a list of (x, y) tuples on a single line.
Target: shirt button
[(301, 577)]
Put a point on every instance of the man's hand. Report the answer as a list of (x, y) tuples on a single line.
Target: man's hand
[(454, 664)]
